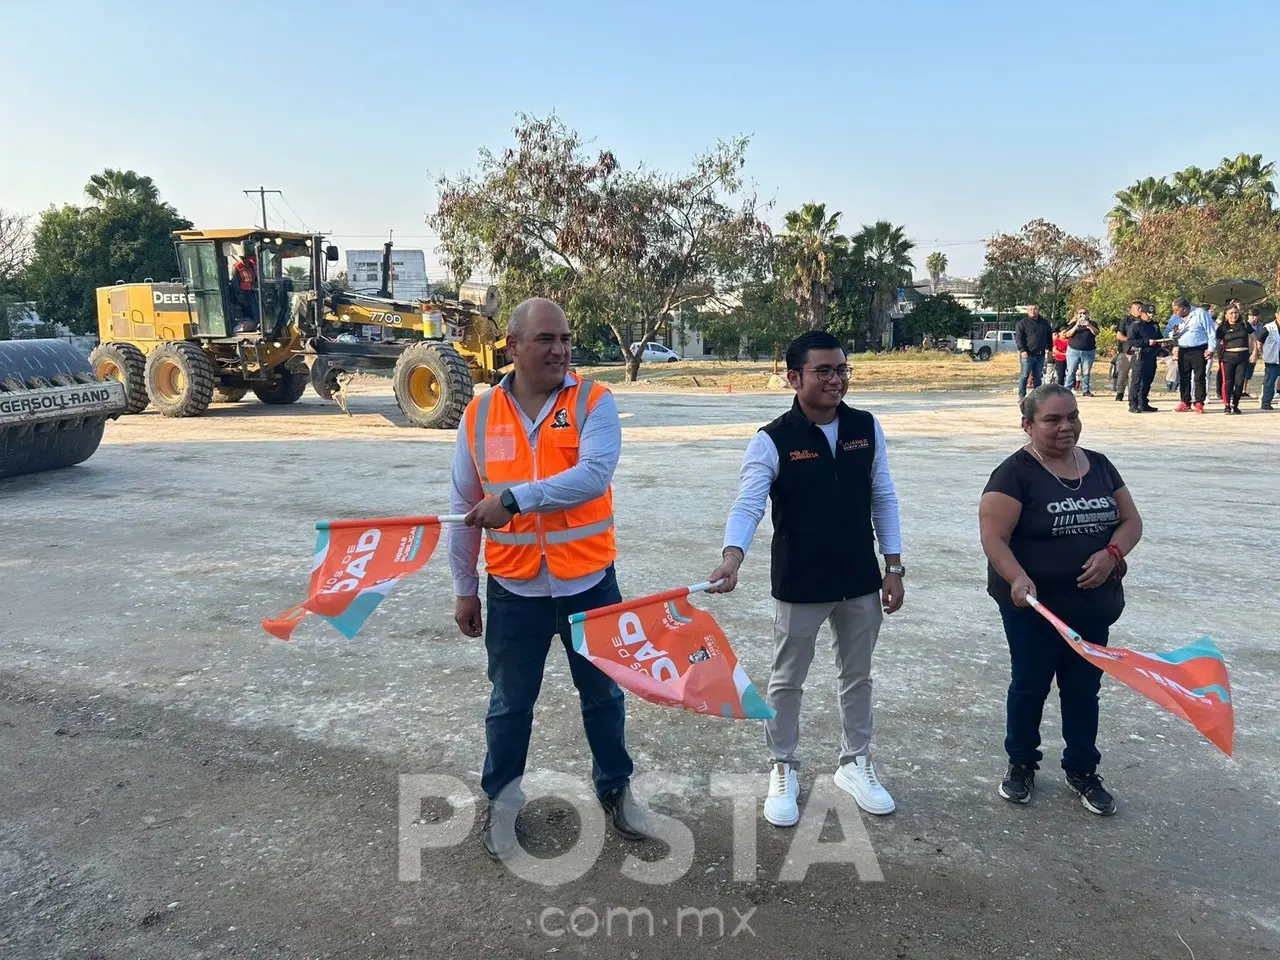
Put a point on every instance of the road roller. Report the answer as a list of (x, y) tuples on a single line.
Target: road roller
[(53, 407)]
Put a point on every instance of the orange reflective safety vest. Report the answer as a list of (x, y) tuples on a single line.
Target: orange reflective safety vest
[(575, 542), (245, 274)]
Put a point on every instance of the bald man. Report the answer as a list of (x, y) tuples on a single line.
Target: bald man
[(533, 467)]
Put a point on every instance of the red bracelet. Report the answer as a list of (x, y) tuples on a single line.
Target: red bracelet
[(1116, 553)]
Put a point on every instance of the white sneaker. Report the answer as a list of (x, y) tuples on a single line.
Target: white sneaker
[(859, 778), (780, 806)]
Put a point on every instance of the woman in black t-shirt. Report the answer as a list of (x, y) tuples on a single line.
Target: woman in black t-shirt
[(1056, 523), (1235, 345)]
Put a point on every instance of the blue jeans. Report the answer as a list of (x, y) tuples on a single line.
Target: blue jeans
[(1077, 359), (1032, 363), (518, 638), (1037, 654), (1271, 373)]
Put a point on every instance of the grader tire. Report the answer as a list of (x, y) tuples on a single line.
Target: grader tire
[(180, 379), (324, 379), (123, 362), (433, 385), (28, 367), (288, 386), (229, 394)]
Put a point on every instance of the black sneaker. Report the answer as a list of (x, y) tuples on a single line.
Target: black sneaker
[(1018, 782), (1150, 409), (1093, 795), (1119, 398), (1266, 406)]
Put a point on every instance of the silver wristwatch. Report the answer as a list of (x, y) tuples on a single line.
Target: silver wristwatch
[(899, 570)]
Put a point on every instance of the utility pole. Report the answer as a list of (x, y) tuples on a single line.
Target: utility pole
[(262, 195)]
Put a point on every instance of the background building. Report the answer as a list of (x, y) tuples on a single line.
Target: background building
[(408, 272)]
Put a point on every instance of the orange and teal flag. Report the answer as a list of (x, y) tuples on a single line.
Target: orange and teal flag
[(667, 651), (356, 564), (1190, 682)]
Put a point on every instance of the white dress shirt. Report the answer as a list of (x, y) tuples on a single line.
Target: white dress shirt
[(760, 469), (599, 446)]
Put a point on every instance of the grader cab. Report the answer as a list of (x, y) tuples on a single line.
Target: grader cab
[(253, 311)]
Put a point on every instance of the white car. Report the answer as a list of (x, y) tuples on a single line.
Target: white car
[(656, 353), (997, 341)]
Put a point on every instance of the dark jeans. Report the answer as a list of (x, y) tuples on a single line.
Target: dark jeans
[(1140, 379), (1061, 367), (1033, 364), (1270, 374), (518, 639), (1037, 655), (1191, 363)]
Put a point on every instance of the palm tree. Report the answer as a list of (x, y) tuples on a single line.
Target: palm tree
[(1145, 197), (886, 252), (1194, 187), (121, 185), (936, 264), (809, 254), (1246, 177)]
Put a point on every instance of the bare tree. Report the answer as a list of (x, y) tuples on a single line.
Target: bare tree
[(15, 244)]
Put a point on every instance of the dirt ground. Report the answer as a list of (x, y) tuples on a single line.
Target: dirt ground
[(908, 371), (175, 783)]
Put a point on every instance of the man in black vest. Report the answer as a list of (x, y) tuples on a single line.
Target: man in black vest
[(825, 468)]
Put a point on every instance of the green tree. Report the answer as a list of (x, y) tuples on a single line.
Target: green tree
[(121, 185), (125, 234), (1039, 264), (886, 255), (1244, 177), (1181, 251), (939, 316), (936, 264), (1247, 178), (623, 248), (810, 260), (1136, 202)]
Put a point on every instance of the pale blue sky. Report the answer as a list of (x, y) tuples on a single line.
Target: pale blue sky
[(957, 120)]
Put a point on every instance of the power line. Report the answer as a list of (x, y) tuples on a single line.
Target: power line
[(262, 194), (295, 213)]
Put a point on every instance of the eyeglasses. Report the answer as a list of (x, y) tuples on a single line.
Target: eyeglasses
[(825, 373)]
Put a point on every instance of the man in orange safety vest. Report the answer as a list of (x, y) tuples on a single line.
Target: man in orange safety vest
[(532, 468)]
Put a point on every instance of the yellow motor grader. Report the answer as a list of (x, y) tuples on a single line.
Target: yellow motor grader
[(253, 311)]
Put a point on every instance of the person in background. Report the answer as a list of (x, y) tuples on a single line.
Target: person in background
[(1082, 350), (1192, 330), (1255, 327), (1144, 346), (1267, 345), (1236, 343), (1060, 353), (1056, 522), (1034, 338), (1123, 357)]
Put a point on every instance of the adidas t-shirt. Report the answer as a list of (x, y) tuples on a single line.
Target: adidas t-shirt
[(1058, 531)]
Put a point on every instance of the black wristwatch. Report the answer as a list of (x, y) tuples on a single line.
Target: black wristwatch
[(509, 501)]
